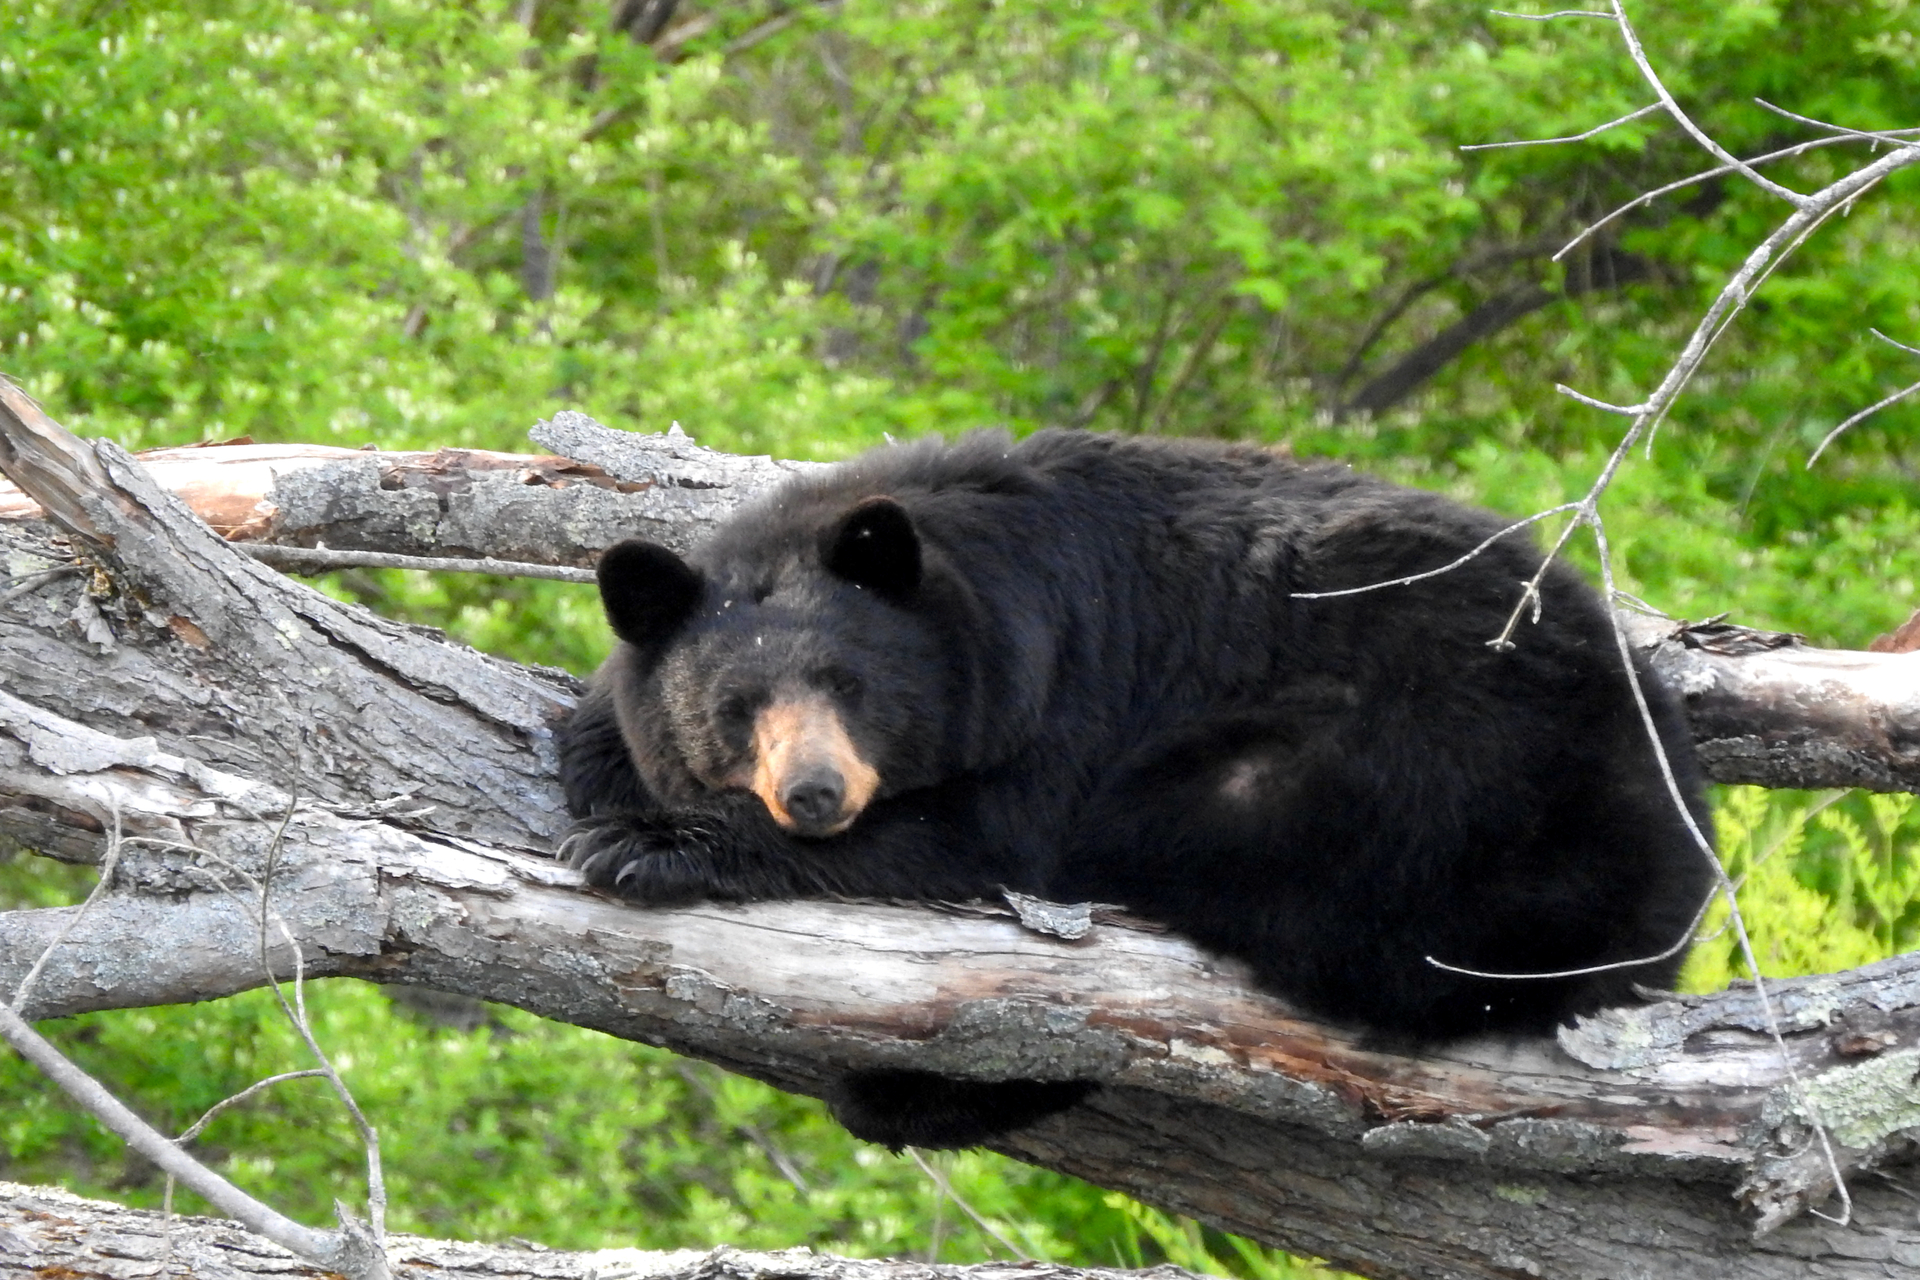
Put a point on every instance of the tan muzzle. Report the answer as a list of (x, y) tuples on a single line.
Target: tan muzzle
[(806, 769)]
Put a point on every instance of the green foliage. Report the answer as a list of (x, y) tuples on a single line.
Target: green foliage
[(516, 1128), (422, 223), (1825, 883)]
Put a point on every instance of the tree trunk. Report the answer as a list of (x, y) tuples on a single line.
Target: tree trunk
[(49, 1233), (235, 727)]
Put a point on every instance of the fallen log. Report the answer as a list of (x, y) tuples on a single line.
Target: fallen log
[(46, 1232), (221, 717)]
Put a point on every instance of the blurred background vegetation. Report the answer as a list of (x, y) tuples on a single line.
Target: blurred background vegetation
[(799, 227)]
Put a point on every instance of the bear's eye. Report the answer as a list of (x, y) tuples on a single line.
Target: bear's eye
[(840, 683), (735, 712)]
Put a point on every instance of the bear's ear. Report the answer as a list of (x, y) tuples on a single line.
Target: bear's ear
[(875, 546), (648, 591)]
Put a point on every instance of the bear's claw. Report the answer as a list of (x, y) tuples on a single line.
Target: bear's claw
[(658, 860)]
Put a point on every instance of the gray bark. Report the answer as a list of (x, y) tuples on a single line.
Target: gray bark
[(1768, 710), (1220, 1101), (542, 509), (50, 1233), (202, 704)]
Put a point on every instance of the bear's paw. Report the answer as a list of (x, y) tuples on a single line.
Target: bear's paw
[(657, 859)]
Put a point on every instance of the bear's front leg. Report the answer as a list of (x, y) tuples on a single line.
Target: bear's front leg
[(670, 859), (922, 849)]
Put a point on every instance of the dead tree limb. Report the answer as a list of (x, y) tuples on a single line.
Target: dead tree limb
[(1220, 1101), (1769, 710), (538, 508), (51, 1233), (210, 701)]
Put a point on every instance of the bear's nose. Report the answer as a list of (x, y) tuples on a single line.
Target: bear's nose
[(814, 800)]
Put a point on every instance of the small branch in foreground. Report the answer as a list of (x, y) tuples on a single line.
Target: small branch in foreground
[(352, 1250), (1705, 175), (946, 1189), (1781, 1208), (309, 560), (341, 1251), (109, 861), (1871, 409), (1448, 567), (1699, 135), (296, 1011), (309, 1073), (1894, 136), (1596, 131)]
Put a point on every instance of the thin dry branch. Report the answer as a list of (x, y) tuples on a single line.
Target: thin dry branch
[(1219, 1100), (1650, 109), (347, 1251), (1871, 409), (1707, 142), (353, 1250)]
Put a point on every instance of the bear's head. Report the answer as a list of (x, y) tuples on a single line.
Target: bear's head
[(812, 669)]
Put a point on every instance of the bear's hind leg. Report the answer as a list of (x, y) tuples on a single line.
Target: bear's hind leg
[(898, 1108)]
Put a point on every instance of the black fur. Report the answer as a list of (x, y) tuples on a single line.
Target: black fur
[(919, 1109), (1084, 669)]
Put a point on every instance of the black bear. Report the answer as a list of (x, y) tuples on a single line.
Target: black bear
[(1094, 668)]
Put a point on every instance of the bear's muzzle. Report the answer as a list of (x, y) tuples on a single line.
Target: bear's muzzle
[(806, 768)]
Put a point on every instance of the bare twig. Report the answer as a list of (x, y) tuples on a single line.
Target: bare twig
[(1726, 886), (297, 1014), (1870, 410), (1699, 135), (166, 1196), (1598, 129), (32, 582), (108, 862), (324, 560), (1745, 293), (1705, 175), (296, 1010), (323, 1247), (946, 1189), (1895, 342), (348, 1251), (1732, 299), (1810, 211), (1867, 412), (256, 1087), (1449, 567), (1680, 944), (752, 1132), (1894, 136), (1625, 410)]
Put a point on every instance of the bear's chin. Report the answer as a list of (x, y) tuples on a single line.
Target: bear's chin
[(814, 830)]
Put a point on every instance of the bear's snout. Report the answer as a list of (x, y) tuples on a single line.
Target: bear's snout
[(806, 768), (814, 801)]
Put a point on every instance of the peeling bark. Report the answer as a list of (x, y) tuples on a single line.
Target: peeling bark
[(1769, 710), (208, 706)]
